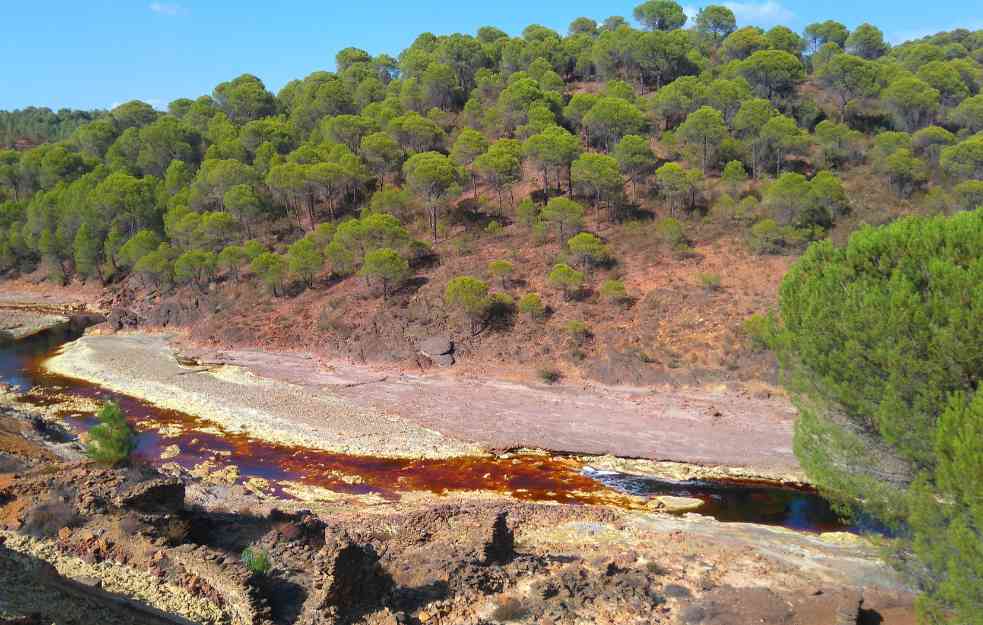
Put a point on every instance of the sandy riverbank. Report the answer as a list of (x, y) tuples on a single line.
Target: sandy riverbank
[(295, 399), (144, 366), (17, 324)]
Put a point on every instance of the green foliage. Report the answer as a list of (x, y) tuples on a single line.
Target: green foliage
[(704, 130), (232, 258), (138, 246), (272, 269), (614, 291), (588, 249), (660, 15), (670, 231), (734, 175), (710, 281), (599, 176), (566, 214), (305, 260), (501, 269), (945, 518), (760, 329), (965, 159), (895, 381), (906, 172), (969, 194), (577, 330), (256, 560), (386, 266), (866, 41), (768, 237), (434, 177), (86, 250), (802, 203), (531, 305), (912, 102), (468, 295), (111, 441), (565, 278), (195, 266), (882, 341)]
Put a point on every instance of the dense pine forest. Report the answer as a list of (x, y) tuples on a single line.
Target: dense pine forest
[(526, 178)]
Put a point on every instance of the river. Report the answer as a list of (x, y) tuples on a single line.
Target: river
[(525, 476)]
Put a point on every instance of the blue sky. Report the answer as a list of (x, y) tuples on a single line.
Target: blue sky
[(97, 53)]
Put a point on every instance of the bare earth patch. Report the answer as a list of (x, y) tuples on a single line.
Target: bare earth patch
[(292, 397)]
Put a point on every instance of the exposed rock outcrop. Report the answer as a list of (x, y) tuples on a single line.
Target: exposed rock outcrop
[(238, 588), (158, 496)]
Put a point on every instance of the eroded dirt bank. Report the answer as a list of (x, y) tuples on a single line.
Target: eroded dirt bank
[(174, 545), (292, 397)]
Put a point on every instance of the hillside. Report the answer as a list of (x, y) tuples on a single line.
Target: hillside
[(694, 164)]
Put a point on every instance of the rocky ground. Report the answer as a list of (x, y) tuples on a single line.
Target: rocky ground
[(159, 542), (81, 543)]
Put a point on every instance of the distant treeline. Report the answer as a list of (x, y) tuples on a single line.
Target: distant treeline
[(38, 125)]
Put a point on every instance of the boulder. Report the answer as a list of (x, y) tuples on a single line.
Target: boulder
[(158, 496), (436, 346), (121, 318), (352, 572), (673, 504), (444, 360), (347, 577)]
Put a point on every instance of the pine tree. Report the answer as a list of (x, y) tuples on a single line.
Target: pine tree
[(112, 441)]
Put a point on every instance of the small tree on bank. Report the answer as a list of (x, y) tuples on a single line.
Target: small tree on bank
[(386, 266), (470, 296), (111, 441)]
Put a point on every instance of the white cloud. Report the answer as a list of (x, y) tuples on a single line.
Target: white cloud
[(767, 13), (162, 8)]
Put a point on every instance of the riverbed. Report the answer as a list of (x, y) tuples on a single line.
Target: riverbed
[(168, 437)]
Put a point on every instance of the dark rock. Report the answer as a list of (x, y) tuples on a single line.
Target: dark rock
[(436, 346), (161, 496), (349, 577), (121, 318), (352, 572), (444, 360)]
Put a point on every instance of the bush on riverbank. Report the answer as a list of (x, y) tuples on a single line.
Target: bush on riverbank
[(883, 339), (112, 441)]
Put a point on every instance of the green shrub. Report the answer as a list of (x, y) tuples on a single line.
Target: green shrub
[(501, 269), (566, 278), (494, 228), (710, 281), (111, 441), (468, 295), (256, 560), (530, 304), (549, 376), (501, 307), (883, 343), (759, 329), (578, 331), (670, 232), (614, 291)]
